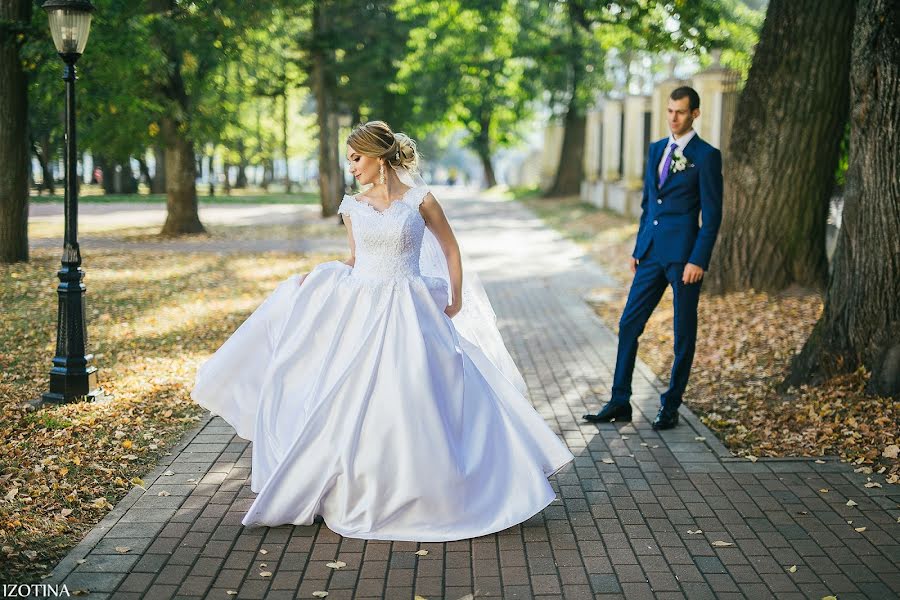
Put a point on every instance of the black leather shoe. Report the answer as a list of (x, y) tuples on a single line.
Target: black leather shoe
[(619, 412), (665, 419)]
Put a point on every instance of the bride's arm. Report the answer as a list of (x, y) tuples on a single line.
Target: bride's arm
[(437, 222), (352, 260)]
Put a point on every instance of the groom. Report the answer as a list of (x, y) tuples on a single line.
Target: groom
[(682, 187)]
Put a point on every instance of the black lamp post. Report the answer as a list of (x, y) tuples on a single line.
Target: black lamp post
[(72, 376)]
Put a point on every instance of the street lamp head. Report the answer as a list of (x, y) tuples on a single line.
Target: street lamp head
[(70, 24)]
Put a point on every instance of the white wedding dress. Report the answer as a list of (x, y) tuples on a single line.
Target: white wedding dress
[(367, 405)]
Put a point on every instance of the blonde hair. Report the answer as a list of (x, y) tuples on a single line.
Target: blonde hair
[(376, 139)]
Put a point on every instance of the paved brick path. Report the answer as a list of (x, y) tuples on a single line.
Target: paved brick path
[(626, 523)]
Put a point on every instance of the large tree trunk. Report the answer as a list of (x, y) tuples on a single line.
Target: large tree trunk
[(784, 150), (331, 183), (158, 183), (181, 179), (180, 160), (15, 16), (570, 171), (861, 321)]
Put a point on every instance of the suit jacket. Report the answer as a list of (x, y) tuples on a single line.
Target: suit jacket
[(670, 215)]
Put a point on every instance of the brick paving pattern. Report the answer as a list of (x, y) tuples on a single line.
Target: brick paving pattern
[(625, 524)]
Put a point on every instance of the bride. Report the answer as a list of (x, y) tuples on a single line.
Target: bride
[(377, 391)]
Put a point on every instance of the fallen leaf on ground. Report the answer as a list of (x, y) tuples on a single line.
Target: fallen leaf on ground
[(721, 544), (338, 564), (422, 552), (793, 569), (690, 532), (320, 594), (851, 503), (265, 573), (122, 549), (859, 529)]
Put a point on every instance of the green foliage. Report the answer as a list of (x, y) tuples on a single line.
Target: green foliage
[(464, 71), (223, 68), (207, 64)]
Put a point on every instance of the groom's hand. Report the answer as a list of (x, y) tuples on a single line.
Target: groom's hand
[(692, 274), (634, 264)]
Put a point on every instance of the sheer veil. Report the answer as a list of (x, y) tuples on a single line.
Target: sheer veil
[(476, 322)]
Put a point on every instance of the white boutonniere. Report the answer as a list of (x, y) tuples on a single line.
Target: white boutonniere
[(679, 161)]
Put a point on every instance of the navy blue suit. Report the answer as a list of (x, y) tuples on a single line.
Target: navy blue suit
[(669, 237)]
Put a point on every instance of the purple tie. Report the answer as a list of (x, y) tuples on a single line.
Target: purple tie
[(667, 165)]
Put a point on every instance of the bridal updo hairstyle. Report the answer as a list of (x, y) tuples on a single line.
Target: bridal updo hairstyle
[(376, 139)]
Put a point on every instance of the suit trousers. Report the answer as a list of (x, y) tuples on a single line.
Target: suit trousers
[(650, 282)]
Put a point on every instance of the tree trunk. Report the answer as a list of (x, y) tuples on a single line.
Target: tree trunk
[(482, 147), (331, 184), (570, 171), (861, 321), (268, 174), (784, 150), (284, 141), (241, 179), (123, 179), (226, 183), (158, 183), (43, 155), (15, 16), (481, 143), (181, 178), (180, 160), (145, 171)]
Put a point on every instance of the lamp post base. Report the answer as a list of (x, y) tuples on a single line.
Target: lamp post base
[(67, 389)]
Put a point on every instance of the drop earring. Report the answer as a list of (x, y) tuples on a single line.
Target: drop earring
[(381, 174)]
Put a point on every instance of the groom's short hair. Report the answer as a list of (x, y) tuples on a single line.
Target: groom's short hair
[(689, 93)]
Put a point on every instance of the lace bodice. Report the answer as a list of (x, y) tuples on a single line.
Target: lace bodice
[(389, 242)]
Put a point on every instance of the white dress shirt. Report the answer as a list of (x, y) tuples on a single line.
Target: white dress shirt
[(682, 142)]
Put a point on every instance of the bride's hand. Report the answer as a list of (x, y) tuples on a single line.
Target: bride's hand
[(453, 309)]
